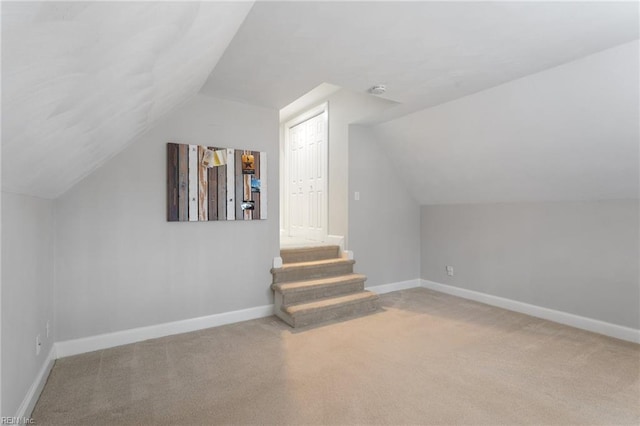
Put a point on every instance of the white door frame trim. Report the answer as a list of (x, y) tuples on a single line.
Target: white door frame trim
[(323, 108)]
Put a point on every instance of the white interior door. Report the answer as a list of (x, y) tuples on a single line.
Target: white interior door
[(306, 155)]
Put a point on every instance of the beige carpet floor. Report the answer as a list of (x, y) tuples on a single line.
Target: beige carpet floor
[(426, 358)]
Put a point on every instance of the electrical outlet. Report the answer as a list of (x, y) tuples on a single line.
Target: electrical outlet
[(38, 345), (48, 329), (450, 270), (356, 195)]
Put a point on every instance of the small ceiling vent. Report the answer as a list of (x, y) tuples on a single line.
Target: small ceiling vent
[(378, 89)]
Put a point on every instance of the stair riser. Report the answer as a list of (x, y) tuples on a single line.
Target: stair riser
[(314, 272), (337, 312), (321, 253), (322, 292), (283, 316)]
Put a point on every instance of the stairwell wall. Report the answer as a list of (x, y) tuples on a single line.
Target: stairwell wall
[(384, 224), (121, 265), (345, 107)]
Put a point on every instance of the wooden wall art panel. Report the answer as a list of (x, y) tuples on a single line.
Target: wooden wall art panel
[(207, 183)]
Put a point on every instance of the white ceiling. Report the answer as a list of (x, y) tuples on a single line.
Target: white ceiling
[(81, 80), (426, 52), (567, 133)]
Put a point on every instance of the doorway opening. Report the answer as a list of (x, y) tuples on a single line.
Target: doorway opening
[(305, 178)]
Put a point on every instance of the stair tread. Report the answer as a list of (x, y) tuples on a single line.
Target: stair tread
[(301, 265), (321, 282), (307, 254), (329, 302), (307, 249)]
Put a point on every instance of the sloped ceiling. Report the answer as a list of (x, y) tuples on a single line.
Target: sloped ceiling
[(80, 80), (427, 53), (567, 133)]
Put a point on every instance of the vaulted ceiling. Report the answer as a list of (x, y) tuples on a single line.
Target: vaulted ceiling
[(80, 80), (569, 133), (427, 53)]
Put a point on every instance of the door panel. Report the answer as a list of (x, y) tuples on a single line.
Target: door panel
[(307, 153)]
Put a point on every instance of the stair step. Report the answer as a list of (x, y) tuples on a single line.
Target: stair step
[(309, 254), (308, 290), (304, 314), (302, 271)]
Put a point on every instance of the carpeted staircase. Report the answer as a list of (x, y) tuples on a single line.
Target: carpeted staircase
[(316, 284)]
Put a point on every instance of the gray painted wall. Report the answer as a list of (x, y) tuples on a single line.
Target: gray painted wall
[(121, 265), (384, 224), (345, 107), (576, 257), (27, 293)]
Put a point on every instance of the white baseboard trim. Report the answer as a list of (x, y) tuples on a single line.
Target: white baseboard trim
[(336, 240), (109, 340), (134, 335), (347, 254), (577, 321), (30, 399), (401, 285)]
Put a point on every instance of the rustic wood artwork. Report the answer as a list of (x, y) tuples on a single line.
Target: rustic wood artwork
[(212, 183), (203, 186), (183, 182), (172, 182)]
